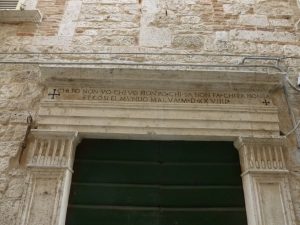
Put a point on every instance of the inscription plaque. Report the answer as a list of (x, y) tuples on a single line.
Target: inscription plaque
[(160, 96)]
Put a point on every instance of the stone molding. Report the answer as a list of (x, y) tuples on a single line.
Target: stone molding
[(62, 110), (43, 197), (52, 149), (126, 76), (50, 161), (265, 180), (262, 154)]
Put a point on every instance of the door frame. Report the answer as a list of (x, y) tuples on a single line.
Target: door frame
[(255, 133)]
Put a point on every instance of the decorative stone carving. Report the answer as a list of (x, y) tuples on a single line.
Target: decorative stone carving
[(191, 105), (265, 181), (261, 154), (52, 149), (50, 159)]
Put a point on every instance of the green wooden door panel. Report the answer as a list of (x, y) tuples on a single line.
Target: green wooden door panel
[(119, 150), (153, 173), (207, 217), (78, 215), (115, 194), (154, 196), (180, 151), (156, 183), (200, 174), (202, 197), (116, 172), (130, 216)]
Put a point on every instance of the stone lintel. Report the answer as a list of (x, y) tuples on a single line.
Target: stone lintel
[(88, 75)]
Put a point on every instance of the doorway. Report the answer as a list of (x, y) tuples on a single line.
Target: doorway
[(130, 182)]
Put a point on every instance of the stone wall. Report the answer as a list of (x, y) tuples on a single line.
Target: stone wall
[(231, 27)]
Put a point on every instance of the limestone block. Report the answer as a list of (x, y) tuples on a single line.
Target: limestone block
[(3, 185), (15, 132), (2, 131), (112, 2), (28, 75), (151, 7), (51, 40), (188, 41), (15, 188), (20, 117), (9, 149), (10, 91), (222, 36), (83, 40), (4, 117), (176, 4), (191, 2), (20, 132), (190, 19), (31, 92), (155, 37), (4, 163), (236, 8), (68, 23), (291, 49), (255, 20), (273, 7), (8, 211), (263, 36), (271, 48), (111, 25), (280, 22), (248, 2), (116, 40)]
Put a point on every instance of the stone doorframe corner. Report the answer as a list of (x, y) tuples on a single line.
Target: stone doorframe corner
[(265, 180), (50, 162)]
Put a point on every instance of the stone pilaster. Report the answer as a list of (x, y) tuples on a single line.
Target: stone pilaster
[(265, 181), (50, 161)]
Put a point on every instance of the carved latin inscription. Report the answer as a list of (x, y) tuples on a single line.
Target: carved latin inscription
[(204, 96)]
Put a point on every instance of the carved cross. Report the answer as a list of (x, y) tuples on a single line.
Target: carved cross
[(266, 102), (54, 93)]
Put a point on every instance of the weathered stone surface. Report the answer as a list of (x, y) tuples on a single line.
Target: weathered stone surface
[(9, 148), (181, 27), (15, 188), (188, 41), (9, 210), (4, 163), (255, 20)]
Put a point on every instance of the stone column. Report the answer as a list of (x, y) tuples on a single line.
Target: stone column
[(50, 162), (265, 181)]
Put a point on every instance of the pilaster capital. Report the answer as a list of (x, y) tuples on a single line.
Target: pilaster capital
[(52, 149), (262, 154)]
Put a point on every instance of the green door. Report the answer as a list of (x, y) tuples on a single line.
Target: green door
[(124, 182)]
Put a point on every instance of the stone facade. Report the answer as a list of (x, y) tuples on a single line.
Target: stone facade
[(232, 36)]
